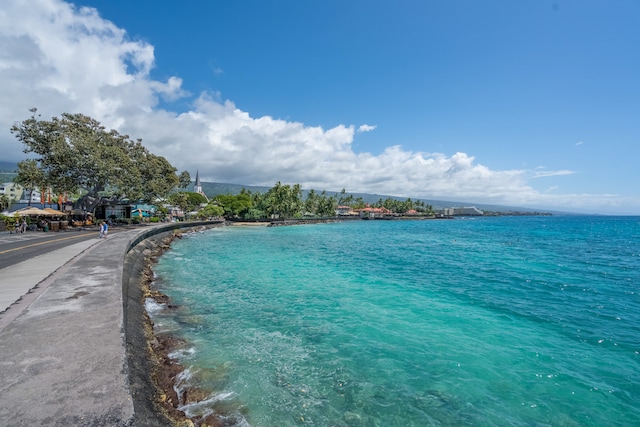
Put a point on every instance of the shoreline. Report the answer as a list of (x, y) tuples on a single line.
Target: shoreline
[(151, 366)]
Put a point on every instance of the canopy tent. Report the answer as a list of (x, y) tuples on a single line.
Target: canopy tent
[(32, 211), (54, 212)]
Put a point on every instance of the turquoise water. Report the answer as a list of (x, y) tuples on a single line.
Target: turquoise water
[(514, 321)]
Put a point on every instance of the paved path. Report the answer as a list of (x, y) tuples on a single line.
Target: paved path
[(62, 353), (19, 279)]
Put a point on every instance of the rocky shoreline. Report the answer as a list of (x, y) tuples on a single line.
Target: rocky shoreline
[(153, 373)]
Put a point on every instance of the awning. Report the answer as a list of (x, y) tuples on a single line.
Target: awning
[(54, 212), (32, 211)]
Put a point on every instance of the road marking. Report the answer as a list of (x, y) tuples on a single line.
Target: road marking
[(42, 243)]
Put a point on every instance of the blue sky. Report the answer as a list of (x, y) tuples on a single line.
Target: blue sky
[(522, 103)]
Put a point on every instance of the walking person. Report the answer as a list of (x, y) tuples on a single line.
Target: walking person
[(105, 229), (101, 225)]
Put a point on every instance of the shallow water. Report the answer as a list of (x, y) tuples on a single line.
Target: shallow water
[(488, 321)]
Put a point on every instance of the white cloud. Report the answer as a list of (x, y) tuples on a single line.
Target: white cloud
[(545, 174), (579, 143), (59, 58), (366, 128)]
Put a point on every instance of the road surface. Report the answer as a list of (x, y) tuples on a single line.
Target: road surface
[(16, 248)]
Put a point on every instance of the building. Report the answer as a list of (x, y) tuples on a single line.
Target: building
[(467, 211), (345, 211), (12, 190), (372, 213), (445, 212), (197, 187), (35, 196)]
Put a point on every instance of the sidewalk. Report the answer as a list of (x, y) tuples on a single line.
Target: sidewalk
[(19, 280), (62, 357)]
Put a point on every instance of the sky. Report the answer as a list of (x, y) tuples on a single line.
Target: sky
[(530, 104)]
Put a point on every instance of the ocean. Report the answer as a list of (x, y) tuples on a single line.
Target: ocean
[(497, 321)]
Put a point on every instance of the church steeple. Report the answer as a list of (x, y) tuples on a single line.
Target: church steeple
[(197, 187)]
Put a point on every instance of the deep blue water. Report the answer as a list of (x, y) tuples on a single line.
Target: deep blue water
[(510, 321)]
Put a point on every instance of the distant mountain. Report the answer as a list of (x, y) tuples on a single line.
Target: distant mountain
[(212, 189)]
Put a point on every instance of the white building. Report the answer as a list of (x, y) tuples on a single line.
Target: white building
[(35, 196), (468, 211), (12, 190), (197, 186)]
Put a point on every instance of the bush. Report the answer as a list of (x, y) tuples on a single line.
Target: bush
[(9, 221), (255, 214)]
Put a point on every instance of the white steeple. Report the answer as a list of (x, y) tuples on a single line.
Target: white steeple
[(197, 187)]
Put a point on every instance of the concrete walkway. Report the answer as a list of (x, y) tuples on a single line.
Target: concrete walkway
[(62, 357), (18, 280)]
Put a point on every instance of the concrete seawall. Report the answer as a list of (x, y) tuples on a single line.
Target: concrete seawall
[(75, 356)]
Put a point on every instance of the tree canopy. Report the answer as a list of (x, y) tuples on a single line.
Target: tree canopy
[(287, 201), (75, 151)]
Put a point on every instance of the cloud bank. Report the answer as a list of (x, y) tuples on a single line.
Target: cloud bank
[(60, 58)]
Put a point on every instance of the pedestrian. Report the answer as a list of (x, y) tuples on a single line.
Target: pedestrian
[(105, 229), (23, 228), (100, 224)]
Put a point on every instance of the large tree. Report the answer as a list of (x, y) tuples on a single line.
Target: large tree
[(187, 201), (76, 151), (327, 205), (284, 201), (234, 205)]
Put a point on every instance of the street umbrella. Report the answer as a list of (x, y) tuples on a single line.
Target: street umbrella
[(54, 212), (32, 211)]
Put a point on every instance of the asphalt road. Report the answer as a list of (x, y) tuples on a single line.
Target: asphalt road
[(15, 248)]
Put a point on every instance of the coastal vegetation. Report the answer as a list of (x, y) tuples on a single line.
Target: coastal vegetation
[(289, 201)]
